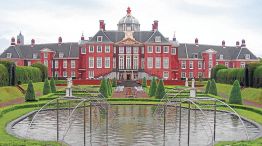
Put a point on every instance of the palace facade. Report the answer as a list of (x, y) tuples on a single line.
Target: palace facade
[(128, 53)]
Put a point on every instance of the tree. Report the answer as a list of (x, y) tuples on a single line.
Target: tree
[(213, 87), (47, 88), (114, 84), (30, 92), (207, 87), (144, 82), (43, 69), (109, 85), (235, 95), (52, 85), (103, 88), (153, 86), (160, 91)]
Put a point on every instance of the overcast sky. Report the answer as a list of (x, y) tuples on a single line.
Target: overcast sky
[(211, 21)]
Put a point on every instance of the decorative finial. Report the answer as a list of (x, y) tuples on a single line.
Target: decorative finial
[(128, 10)]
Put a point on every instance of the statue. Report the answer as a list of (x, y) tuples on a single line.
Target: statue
[(69, 82), (69, 87), (186, 83), (193, 83)]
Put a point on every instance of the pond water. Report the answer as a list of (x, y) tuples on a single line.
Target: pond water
[(134, 125)]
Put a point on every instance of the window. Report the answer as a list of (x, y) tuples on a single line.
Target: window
[(210, 56), (99, 38), (221, 56), (73, 63), (149, 62), (107, 50), (135, 62), (91, 62), (45, 55), (247, 56), (34, 55), (135, 50), (210, 65), (191, 65), (83, 50), (61, 55), (114, 62), (158, 49), (143, 50), (121, 50), (200, 64), (128, 62), (242, 65), (64, 74), (191, 75), (226, 64), (158, 62), (142, 63), (173, 51), (165, 74), (165, 62), (56, 63), (73, 74), (183, 65), (158, 39), (8, 55), (166, 49), (150, 49), (183, 75), (56, 74), (99, 62), (99, 49), (46, 63), (200, 74), (114, 49), (121, 62), (29, 63), (65, 64), (128, 50), (91, 74), (91, 49), (107, 62)]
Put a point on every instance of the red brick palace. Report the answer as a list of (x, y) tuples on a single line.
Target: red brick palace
[(128, 53)]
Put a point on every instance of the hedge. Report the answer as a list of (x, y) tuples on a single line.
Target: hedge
[(4, 77), (43, 69), (216, 69), (257, 78), (11, 68), (26, 73), (249, 73), (228, 76)]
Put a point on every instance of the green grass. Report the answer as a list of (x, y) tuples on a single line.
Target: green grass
[(9, 93), (257, 142), (250, 115)]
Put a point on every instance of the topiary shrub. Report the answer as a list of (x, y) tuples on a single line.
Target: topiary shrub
[(160, 91), (4, 78), (109, 86), (213, 87), (43, 69), (235, 95), (114, 84), (30, 92), (11, 68), (207, 87), (257, 77), (52, 85), (144, 83), (103, 88), (216, 69), (153, 86), (46, 89)]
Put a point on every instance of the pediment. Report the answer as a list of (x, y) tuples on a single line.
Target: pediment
[(211, 51), (46, 50), (128, 41)]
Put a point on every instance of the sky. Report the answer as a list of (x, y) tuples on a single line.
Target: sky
[(211, 21)]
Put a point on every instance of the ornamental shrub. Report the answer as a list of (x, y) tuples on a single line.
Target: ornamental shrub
[(160, 91), (114, 84), (213, 87), (46, 89), (30, 92), (4, 78), (52, 85), (153, 86), (216, 69), (257, 77), (249, 73), (144, 83), (235, 95), (26, 73), (43, 69), (103, 88), (207, 87), (109, 87), (11, 68)]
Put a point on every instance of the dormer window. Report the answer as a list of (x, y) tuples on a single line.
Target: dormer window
[(99, 38), (247, 56), (158, 39), (195, 56), (61, 55), (221, 56), (8, 55), (34, 55), (173, 51), (45, 55)]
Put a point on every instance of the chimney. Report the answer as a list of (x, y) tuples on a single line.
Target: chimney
[(223, 44), (174, 36), (196, 41), (82, 37), (128, 11), (12, 41), (60, 40), (237, 44), (155, 25), (243, 43), (32, 42), (18, 41), (101, 25)]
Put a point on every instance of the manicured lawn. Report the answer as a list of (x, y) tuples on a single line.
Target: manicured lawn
[(9, 93), (257, 142)]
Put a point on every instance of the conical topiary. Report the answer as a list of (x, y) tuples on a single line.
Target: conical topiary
[(235, 95), (52, 85), (47, 88), (153, 86), (103, 88), (213, 87), (109, 85), (30, 92), (207, 87), (160, 91), (144, 82)]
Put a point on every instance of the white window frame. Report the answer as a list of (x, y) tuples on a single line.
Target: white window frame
[(158, 49), (83, 50), (99, 49), (73, 74), (149, 49), (226, 64), (91, 48), (191, 74), (107, 62), (61, 55), (247, 56), (135, 50), (73, 64), (99, 62), (183, 64), (114, 62), (210, 56), (242, 64), (128, 62), (210, 64), (91, 62), (135, 62), (200, 74), (143, 50), (121, 50), (29, 63), (99, 38), (200, 65), (221, 56), (165, 75), (166, 49), (166, 63), (46, 63), (173, 51), (8, 55), (56, 74), (64, 63), (191, 64), (158, 39), (121, 62), (64, 73), (45, 55), (91, 74), (150, 62), (56, 63), (107, 49), (128, 50), (34, 55), (183, 74), (158, 62)]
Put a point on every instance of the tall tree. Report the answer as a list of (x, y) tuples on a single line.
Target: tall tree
[(103, 88), (30, 92), (109, 85), (213, 87), (235, 95), (153, 86), (47, 88), (144, 82), (207, 87), (52, 85), (160, 91)]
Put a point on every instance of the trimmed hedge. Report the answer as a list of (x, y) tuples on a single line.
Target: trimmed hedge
[(26, 73), (257, 78), (160, 90), (11, 68), (213, 87), (4, 77), (43, 69), (30, 92), (216, 69), (46, 88), (153, 86), (235, 95), (52, 85)]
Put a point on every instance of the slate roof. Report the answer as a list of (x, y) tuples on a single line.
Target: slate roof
[(70, 50), (229, 52)]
